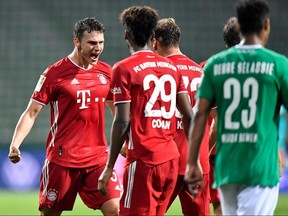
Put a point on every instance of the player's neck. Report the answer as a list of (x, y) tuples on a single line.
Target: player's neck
[(252, 39), (78, 60), (134, 49), (171, 51)]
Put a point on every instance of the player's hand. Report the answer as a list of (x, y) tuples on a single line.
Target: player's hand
[(14, 155), (193, 177), (103, 180)]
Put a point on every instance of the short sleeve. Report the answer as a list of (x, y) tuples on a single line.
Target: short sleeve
[(206, 87), (43, 90), (121, 84)]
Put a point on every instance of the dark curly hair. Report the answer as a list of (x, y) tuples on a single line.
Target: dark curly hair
[(231, 34), (168, 33), (251, 15), (88, 24), (139, 22)]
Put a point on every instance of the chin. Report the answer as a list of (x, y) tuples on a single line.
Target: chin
[(94, 61)]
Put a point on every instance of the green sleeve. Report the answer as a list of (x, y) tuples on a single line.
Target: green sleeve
[(206, 87)]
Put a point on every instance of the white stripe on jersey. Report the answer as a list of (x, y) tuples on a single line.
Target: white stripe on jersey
[(130, 142), (54, 127), (131, 173), (45, 176)]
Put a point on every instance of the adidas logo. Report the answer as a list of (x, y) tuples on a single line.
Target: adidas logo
[(118, 188), (74, 81)]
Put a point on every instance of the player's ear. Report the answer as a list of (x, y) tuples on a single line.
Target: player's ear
[(154, 44), (126, 35), (267, 24), (76, 42)]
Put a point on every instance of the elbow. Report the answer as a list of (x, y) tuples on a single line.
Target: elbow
[(122, 123)]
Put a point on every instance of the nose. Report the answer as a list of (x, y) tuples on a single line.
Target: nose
[(97, 46)]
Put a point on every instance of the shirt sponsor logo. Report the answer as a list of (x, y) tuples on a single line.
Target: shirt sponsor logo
[(117, 90), (40, 83)]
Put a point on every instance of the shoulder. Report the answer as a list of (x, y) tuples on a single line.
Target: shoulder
[(123, 63), (57, 66), (276, 55), (222, 54), (104, 68), (220, 57), (104, 65)]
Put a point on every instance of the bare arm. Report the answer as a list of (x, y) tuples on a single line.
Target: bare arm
[(282, 160), (185, 109), (120, 127), (213, 129), (193, 175), (22, 129)]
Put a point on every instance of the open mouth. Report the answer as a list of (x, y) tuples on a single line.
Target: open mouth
[(94, 56)]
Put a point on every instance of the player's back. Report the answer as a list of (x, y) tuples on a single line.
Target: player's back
[(248, 80), (191, 74), (151, 83)]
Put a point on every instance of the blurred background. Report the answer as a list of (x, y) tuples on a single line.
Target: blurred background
[(36, 33)]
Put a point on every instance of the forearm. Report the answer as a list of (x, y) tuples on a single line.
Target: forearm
[(187, 122), (118, 136), (22, 129), (212, 136), (196, 136)]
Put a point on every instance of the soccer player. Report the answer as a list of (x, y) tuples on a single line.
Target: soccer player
[(231, 36), (76, 87), (167, 43), (147, 88), (248, 83), (231, 32)]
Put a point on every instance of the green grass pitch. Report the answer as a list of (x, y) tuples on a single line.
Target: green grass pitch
[(26, 203)]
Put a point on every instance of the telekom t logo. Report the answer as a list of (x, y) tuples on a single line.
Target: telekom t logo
[(83, 97)]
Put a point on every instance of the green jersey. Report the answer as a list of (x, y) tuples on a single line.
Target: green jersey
[(248, 84)]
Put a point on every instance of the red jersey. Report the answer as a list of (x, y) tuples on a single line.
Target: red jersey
[(77, 105), (192, 75), (150, 83)]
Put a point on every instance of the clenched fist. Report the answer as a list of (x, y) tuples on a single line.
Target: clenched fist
[(14, 155)]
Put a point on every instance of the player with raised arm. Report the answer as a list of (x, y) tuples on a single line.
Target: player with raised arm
[(76, 87), (147, 88), (167, 43), (248, 83)]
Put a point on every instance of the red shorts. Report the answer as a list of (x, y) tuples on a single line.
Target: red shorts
[(190, 206), (147, 188), (215, 198), (59, 186)]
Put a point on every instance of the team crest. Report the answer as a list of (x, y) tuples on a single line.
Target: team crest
[(52, 195), (102, 79)]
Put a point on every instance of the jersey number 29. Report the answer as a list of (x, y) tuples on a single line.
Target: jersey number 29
[(159, 90)]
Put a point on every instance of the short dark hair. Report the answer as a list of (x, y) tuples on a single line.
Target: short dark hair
[(231, 34), (251, 15), (88, 24), (167, 32), (139, 22)]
